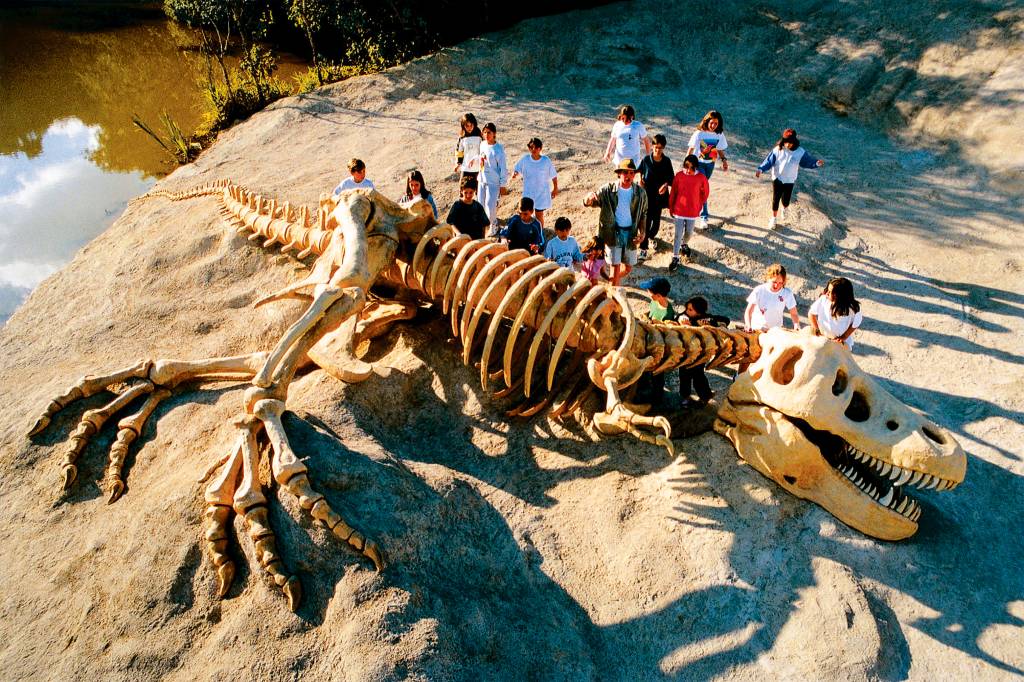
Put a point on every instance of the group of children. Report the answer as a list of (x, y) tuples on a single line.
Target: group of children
[(835, 314), (484, 174)]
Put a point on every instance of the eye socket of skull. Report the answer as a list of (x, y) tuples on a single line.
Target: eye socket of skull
[(784, 367), (839, 385)]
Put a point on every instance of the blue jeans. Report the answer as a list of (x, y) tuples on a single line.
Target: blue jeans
[(705, 169)]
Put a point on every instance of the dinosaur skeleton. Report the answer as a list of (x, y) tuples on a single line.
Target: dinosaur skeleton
[(527, 323)]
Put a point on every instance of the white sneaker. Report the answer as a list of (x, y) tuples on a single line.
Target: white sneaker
[(772, 223), (703, 224), (782, 213)]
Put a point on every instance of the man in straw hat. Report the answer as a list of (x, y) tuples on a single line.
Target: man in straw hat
[(623, 207)]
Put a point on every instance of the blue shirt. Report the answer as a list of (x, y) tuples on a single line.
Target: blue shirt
[(565, 253), (521, 235)]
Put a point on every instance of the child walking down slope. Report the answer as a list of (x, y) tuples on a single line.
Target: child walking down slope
[(690, 191), (785, 161)]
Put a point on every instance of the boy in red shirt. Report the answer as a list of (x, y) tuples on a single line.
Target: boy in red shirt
[(689, 192)]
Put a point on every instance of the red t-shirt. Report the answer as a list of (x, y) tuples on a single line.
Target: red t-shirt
[(688, 194)]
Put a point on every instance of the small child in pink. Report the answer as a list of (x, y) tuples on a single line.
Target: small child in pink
[(593, 260)]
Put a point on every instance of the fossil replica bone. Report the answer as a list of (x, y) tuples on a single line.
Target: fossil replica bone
[(541, 325), (806, 416)]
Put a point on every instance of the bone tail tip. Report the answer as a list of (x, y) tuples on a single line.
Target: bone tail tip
[(225, 576), (293, 592), (70, 473), (116, 489), (375, 554)]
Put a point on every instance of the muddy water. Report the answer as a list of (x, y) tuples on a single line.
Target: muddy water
[(70, 158)]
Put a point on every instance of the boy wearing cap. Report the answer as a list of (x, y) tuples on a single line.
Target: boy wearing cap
[(623, 207), (523, 231)]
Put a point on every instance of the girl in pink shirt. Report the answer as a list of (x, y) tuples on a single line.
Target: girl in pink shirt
[(593, 260), (689, 192)]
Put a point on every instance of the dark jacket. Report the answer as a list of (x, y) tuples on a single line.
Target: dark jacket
[(608, 201)]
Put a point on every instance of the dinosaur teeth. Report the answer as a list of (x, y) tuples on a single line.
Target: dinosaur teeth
[(886, 468), (934, 482), (916, 478), (903, 504), (887, 499), (905, 475)]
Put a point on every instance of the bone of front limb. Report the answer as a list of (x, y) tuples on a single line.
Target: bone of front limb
[(91, 422), (325, 299), (291, 473), (617, 418), (170, 373)]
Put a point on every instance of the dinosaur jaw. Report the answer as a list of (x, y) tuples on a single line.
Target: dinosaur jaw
[(821, 467)]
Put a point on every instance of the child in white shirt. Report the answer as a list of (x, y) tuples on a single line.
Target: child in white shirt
[(357, 178), (836, 313), (540, 181), (629, 139), (709, 144), (768, 301)]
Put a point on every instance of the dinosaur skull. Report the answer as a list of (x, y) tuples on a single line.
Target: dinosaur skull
[(807, 417)]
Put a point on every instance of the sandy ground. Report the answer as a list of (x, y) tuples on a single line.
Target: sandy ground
[(527, 550)]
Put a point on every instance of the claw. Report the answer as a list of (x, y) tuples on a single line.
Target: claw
[(116, 489), (293, 592), (70, 474), (225, 576), (375, 554)]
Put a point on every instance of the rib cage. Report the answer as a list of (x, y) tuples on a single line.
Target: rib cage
[(545, 317)]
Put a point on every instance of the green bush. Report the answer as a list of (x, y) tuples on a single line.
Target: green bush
[(237, 100), (328, 73)]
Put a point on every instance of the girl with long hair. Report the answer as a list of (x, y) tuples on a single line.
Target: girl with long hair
[(709, 144), (836, 314)]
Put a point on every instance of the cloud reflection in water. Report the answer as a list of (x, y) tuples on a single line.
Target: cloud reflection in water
[(52, 204)]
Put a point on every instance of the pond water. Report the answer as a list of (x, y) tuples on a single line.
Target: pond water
[(71, 78)]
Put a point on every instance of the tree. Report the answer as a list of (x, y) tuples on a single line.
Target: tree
[(310, 16)]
